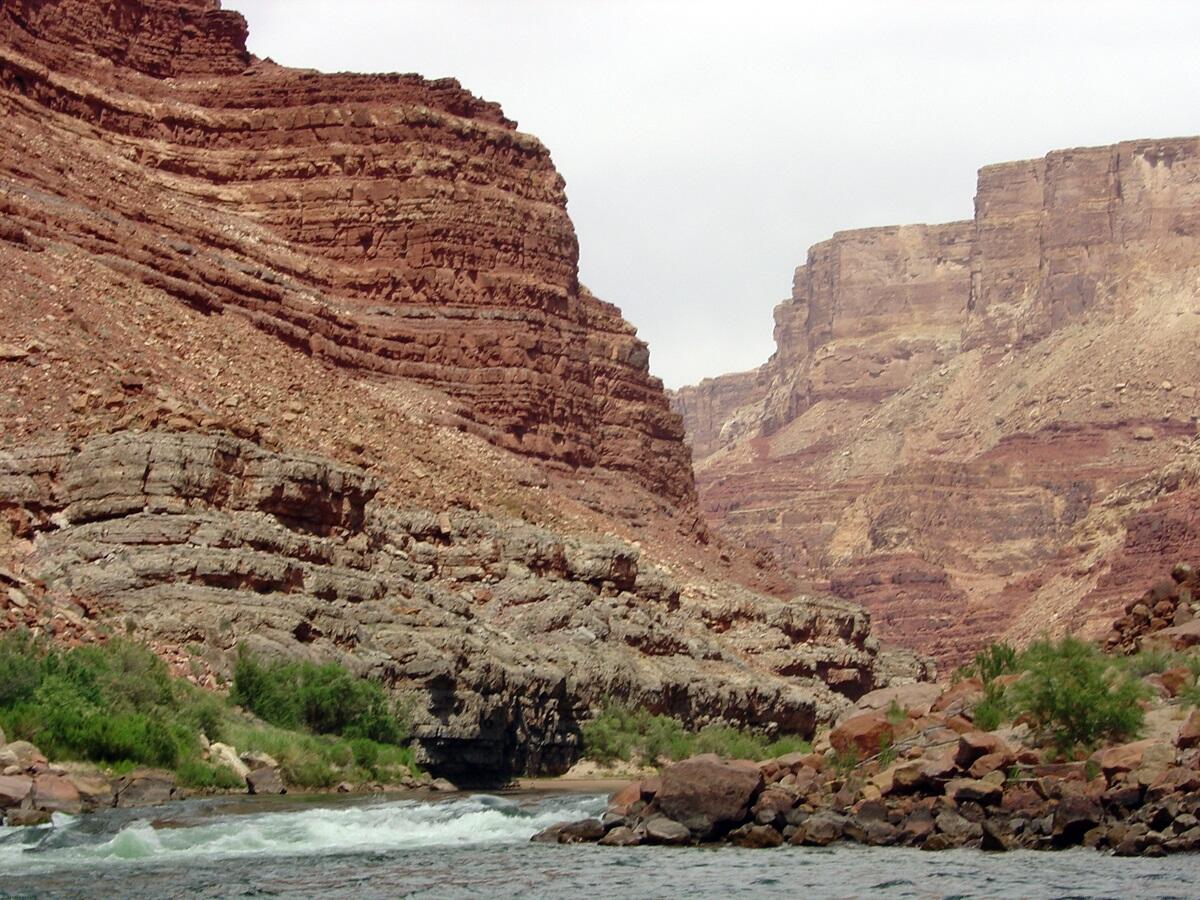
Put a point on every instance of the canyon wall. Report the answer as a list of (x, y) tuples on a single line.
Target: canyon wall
[(983, 428), (387, 223), (301, 362)]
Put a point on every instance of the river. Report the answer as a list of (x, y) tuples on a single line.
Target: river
[(478, 846)]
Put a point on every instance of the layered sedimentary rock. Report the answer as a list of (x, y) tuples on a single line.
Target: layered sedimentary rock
[(302, 362), (391, 224), (987, 427), (502, 636)]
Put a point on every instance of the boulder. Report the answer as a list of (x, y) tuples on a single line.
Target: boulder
[(990, 762), (1074, 817), (2, 741), (756, 837), (864, 734), (1189, 732), (915, 699), (971, 790), (255, 760), (621, 802), (820, 829), (26, 818), (95, 791), (772, 804), (974, 744), (55, 793), (957, 827), (621, 836), (21, 754), (14, 790), (708, 796), (662, 830), (224, 755), (584, 831), (268, 781), (145, 787), (993, 839), (1135, 755), (1175, 680)]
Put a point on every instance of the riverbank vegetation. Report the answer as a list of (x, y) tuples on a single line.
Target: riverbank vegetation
[(1071, 694), (627, 734), (116, 704)]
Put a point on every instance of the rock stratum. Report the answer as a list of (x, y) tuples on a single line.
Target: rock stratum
[(302, 361), (984, 428)]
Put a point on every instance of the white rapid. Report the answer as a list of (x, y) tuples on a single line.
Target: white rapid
[(395, 825)]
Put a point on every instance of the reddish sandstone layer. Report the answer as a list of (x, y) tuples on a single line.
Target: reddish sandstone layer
[(984, 427), (388, 224)]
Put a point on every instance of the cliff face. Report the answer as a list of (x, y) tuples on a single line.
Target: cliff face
[(301, 361), (388, 224), (986, 427)]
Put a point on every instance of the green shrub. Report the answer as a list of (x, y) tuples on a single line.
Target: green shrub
[(992, 710), (194, 773), (998, 658), (1149, 662), (620, 732), (326, 699), (1075, 696)]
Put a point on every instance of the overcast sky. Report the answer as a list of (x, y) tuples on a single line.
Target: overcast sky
[(707, 145)]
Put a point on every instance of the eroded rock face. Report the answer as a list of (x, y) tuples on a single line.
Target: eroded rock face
[(983, 428), (503, 636), (385, 224)]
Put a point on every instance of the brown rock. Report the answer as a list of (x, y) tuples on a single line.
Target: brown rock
[(756, 837), (26, 818), (975, 744), (864, 735), (1189, 732), (1135, 755), (662, 830), (707, 795), (54, 793), (621, 836), (21, 754), (268, 781), (144, 787), (14, 790), (964, 790)]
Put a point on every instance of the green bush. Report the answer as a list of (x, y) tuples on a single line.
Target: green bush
[(1149, 662), (118, 704), (992, 710), (621, 732), (326, 699), (998, 658), (111, 703), (1075, 696)]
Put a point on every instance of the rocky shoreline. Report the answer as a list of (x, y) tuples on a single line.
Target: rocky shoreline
[(944, 785)]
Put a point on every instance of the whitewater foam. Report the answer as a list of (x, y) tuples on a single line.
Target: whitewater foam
[(393, 825)]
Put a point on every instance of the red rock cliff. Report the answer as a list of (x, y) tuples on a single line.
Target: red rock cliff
[(389, 224), (985, 427)]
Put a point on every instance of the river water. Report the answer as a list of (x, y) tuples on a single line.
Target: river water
[(478, 846)]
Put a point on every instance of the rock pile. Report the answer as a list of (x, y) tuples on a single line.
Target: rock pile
[(32, 788), (934, 788), (1167, 614)]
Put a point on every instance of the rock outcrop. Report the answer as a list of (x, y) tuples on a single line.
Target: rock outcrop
[(982, 428), (503, 636)]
